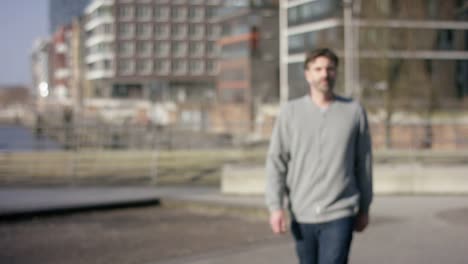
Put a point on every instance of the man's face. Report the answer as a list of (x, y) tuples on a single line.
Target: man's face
[(321, 74)]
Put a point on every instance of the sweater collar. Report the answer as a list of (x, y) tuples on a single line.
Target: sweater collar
[(308, 100)]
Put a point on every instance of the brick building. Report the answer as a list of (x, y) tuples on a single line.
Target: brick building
[(151, 51), (249, 60)]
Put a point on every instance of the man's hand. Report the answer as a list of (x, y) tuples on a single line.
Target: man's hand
[(361, 222), (278, 222)]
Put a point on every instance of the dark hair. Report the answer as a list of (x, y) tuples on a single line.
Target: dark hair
[(322, 52)]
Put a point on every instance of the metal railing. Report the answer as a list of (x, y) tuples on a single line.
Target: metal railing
[(180, 154)]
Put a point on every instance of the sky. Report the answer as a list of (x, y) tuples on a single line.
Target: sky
[(21, 22)]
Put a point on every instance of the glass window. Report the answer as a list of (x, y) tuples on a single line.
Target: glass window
[(179, 13), (462, 78), (211, 48), (99, 48), (91, 66), (196, 31), (126, 30), (105, 11), (126, 66), (445, 39), (196, 67), (144, 48), (161, 31), (179, 49), (211, 67), (213, 31), (213, 2), (179, 66), (322, 7), (161, 13), (143, 66), (432, 7), (143, 30), (162, 49), (210, 12), (195, 13), (293, 16), (127, 90), (107, 29), (209, 31), (307, 11), (90, 33), (175, 12), (162, 66), (296, 44), (179, 31), (226, 29), (143, 12), (196, 49), (107, 64), (312, 11), (126, 12), (126, 48)]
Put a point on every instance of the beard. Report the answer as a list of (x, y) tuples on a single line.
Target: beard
[(324, 86)]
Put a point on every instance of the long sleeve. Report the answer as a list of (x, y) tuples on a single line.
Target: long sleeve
[(363, 165), (277, 163)]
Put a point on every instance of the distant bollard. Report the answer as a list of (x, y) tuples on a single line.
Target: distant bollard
[(115, 141), (39, 127), (68, 127)]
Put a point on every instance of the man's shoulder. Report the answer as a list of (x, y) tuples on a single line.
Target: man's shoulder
[(349, 103), (292, 104), (296, 101), (344, 100)]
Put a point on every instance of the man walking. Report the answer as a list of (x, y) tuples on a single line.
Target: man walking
[(320, 158)]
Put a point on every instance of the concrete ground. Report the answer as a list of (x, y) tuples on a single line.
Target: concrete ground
[(150, 234), (404, 229)]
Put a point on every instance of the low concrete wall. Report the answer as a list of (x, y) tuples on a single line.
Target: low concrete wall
[(243, 179), (421, 179), (400, 178)]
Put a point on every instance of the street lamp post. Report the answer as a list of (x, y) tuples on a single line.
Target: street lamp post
[(284, 89), (356, 14), (348, 47)]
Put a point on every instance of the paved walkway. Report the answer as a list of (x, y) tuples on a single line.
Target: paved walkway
[(34, 200), (29, 201), (404, 229)]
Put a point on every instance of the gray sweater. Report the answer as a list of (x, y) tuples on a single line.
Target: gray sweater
[(321, 160)]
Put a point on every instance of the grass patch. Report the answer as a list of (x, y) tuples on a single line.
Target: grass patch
[(201, 167)]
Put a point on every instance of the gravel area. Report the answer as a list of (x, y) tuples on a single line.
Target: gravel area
[(133, 235)]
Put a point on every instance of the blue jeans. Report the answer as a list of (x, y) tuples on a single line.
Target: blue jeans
[(323, 243)]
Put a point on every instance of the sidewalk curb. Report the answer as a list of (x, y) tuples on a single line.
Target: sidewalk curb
[(249, 212)]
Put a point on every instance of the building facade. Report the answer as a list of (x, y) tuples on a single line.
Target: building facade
[(152, 50), (40, 71), (60, 64), (415, 52), (249, 59), (79, 85), (61, 12)]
